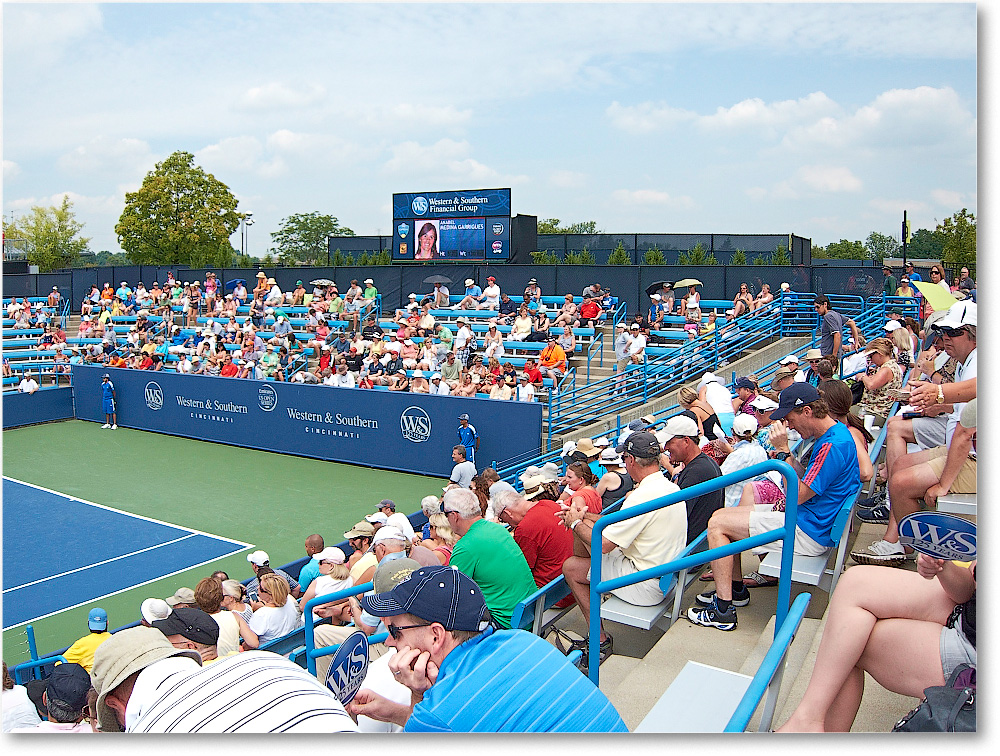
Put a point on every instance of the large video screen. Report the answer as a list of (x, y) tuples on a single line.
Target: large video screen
[(451, 226)]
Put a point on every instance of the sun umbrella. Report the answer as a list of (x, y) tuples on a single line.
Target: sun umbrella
[(655, 287), (935, 294), (685, 282), (437, 279), (236, 281), (322, 282)]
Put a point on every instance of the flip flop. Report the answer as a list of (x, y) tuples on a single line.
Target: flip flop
[(756, 580), (707, 577)]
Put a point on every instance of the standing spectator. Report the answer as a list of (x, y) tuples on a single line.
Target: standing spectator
[(82, 651), (889, 283), (831, 327), (464, 342), (468, 437), (914, 276), (488, 554), (464, 470), (680, 439)]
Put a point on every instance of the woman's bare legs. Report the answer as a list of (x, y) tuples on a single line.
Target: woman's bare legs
[(883, 620)]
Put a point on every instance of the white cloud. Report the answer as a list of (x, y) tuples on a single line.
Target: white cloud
[(646, 117), (827, 178), (568, 179), (39, 35), (411, 116), (755, 113), (230, 154), (947, 197), (11, 169), (277, 96), (107, 156), (446, 156), (652, 197)]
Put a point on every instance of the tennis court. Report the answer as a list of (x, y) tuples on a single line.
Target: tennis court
[(166, 512)]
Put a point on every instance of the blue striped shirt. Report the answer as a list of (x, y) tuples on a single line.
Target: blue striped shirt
[(512, 681)]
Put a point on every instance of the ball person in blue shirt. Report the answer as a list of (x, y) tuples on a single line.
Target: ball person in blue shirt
[(108, 396), (468, 437)]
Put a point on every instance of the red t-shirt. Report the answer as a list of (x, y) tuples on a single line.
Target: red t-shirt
[(533, 375), (590, 497), (545, 541), (229, 370), (589, 309)]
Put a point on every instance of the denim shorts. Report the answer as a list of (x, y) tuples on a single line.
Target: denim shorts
[(955, 650)]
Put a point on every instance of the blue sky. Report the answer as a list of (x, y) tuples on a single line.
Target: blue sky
[(823, 120)]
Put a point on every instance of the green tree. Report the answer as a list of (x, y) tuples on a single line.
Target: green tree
[(180, 215), (739, 257), (382, 258), (760, 260), (780, 256), (52, 236), (879, 246), (959, 233), (545, 257), (846, 250), (925, 245), (364, 259), (619, 256), (552, 226), (103, 259), (583, 257), (302, 237), (242, 261), (697, 256), (342, 258), (654, 256)]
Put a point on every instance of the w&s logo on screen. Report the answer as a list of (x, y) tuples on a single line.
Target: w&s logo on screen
[(419, 205), (154, 395), (415, 425)]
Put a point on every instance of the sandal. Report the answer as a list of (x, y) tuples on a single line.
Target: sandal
[(707, 577), (607, 647), (756, 580)]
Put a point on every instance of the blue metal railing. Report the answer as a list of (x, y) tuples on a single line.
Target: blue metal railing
[(312, 653), (770, 671), (20, 671), (786, 533), (596, 347)]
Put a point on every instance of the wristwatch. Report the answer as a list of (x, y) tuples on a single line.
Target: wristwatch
[(573, 524), (782, 456), (940, 396)]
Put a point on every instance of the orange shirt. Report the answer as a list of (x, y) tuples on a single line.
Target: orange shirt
[(552, 355)]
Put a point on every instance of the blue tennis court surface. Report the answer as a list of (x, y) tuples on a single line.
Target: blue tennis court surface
[(60, 552)]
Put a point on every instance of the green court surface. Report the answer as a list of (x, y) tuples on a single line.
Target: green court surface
[(272, 501)]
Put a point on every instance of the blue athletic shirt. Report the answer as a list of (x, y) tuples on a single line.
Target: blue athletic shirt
[(467, 436), (107, 390), (512, 681), (833, 475)]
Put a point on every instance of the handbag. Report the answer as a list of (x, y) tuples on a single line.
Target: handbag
[(946, 708)]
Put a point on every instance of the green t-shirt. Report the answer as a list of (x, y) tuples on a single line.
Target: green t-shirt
[(336, 305), (446, 336), (889, 285), (489, 555), (371, 292)]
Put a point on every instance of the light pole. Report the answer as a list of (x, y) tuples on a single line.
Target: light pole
[(246, 220)]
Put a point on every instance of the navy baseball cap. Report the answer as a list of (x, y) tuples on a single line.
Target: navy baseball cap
[(642, 444), (746, 383), (435, 594), (70, 684), (796, 395)]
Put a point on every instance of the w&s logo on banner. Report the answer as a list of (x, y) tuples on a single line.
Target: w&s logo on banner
[(415, 425)]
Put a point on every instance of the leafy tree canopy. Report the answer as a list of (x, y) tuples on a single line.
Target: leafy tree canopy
[(180, 215), (52, 236), (302, 238), (880, 246), (925, 244), (959, 232), (552, 226)]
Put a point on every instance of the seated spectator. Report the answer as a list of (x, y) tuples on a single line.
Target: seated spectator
[(27, 385), (714, 393), (334, 575), (545, 542), (493, 343), (220, 697), (681, 441), (19, 710), (707, 418), (208, 595), (569, 313), (461, 629), (466, 388), (580, 481), (65, 700), (196, 630), (442, 538), (259, 559), (567, 340), (886, 376), (82, 651), (525, 391), (832, 476), (615, 482), (552, 360), (743, 301), (507, 309), (473, 296), (487, 553), (540, 327), (909, 631), (746, 392), (765, 297), (278, 613), (591, 313), (234, 599), (631, 545)]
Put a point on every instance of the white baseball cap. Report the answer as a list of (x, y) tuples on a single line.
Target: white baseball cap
[(258, 557)]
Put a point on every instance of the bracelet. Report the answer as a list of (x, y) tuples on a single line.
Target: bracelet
[(572, 525), (940, 395)]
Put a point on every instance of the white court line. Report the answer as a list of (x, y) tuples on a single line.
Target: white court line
[(98, 564), (128, 514), (242, 546)]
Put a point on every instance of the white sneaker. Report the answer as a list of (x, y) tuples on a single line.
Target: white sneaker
[(114, 427), (881, 553), (106, 425)]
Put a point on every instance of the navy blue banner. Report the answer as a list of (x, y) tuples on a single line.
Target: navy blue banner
[(41, 407), (406, 432)]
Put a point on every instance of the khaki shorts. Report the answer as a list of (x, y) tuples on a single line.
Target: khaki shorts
[(965, 483), (763, 519), (616, 564)]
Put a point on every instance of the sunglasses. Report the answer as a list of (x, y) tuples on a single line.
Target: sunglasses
[(952, 332), (396, 632), (447, 512)]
